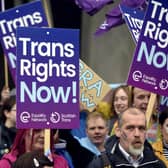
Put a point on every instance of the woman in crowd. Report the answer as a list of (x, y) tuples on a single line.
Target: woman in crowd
[(8, 124), (5, 94), (161, 146), (120, 102), (27, 140), (117, 101)]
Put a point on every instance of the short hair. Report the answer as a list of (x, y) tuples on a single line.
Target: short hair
[(96, 114), (130, 110), (132, 95), (163, 116)]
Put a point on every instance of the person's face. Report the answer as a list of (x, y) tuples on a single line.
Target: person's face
[(132, 133), (38, 139), (141, 99), (164, 130), (5, 94), (11, 115), (120, 101), (97, 130)]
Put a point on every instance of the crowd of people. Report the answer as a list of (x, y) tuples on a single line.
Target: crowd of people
[(120, 137)]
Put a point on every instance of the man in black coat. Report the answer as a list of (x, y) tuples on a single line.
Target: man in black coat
[(128, 148)]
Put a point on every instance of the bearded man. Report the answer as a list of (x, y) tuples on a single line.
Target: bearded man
[(128, 147)]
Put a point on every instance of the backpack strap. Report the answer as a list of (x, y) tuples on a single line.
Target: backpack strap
[(105, 160)]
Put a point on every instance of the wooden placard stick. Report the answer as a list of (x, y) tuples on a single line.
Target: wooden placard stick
[(130, 94), (47, 136), (150, 107), (47, 132), (6, 72), (5, 60), (47, 8)]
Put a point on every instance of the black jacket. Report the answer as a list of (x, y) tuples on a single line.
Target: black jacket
[(117, 160), (7, 136), (81, 156)]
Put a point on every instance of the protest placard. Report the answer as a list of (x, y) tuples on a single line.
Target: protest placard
[(149, 66), (163, 103), (92, 87), (27, 15), (47, 78), (134, 20)]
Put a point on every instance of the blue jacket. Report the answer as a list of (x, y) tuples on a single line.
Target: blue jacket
[(86, 143)]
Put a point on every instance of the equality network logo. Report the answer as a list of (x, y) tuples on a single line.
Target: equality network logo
[(137, 76), (24, 117)]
